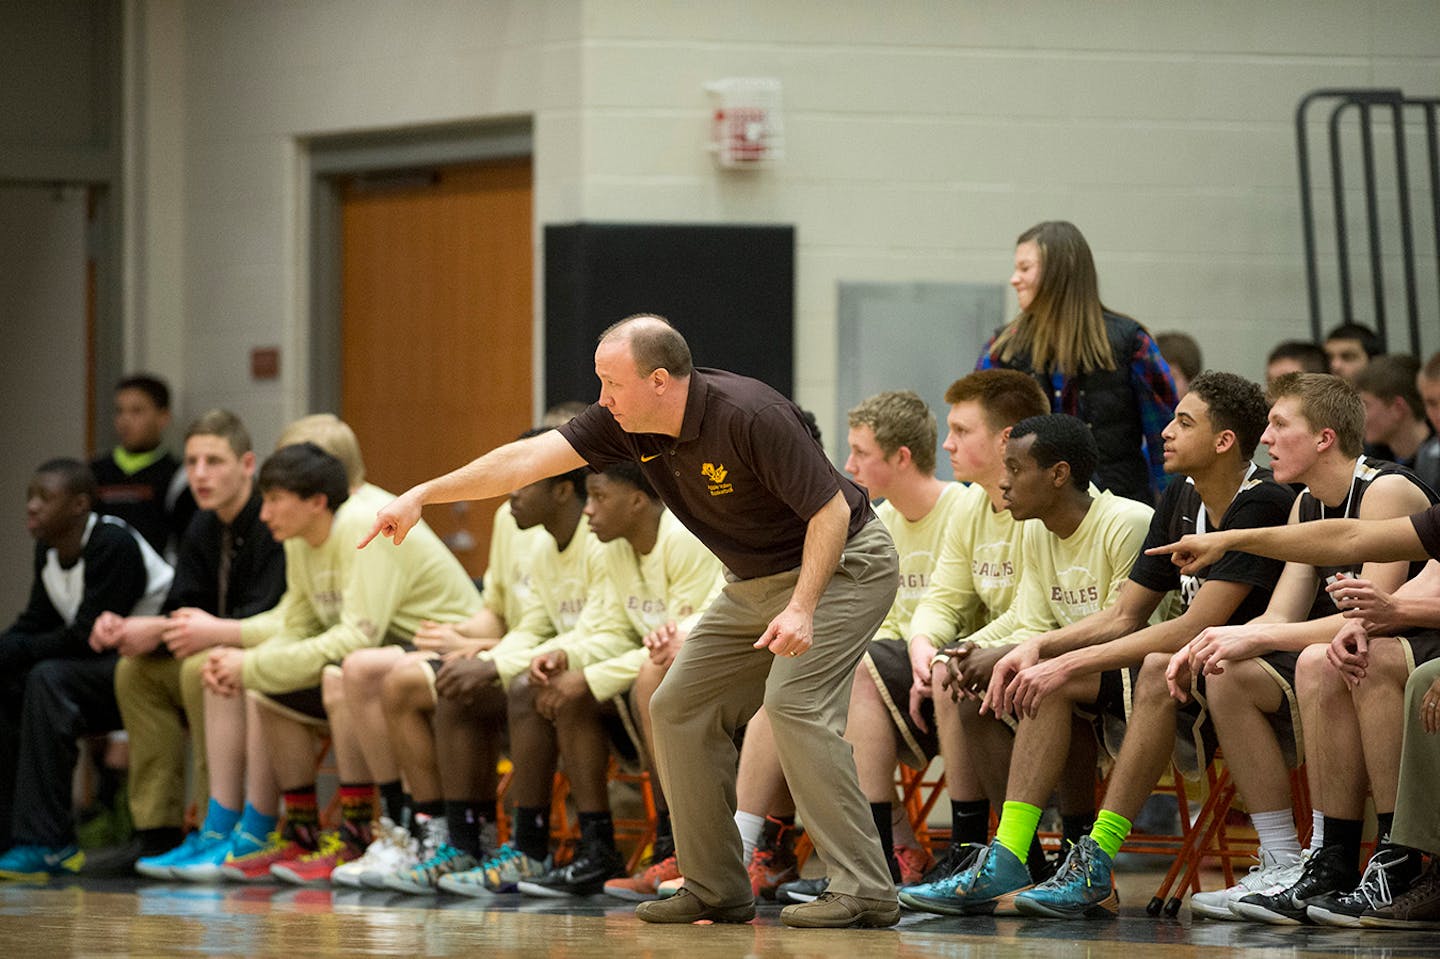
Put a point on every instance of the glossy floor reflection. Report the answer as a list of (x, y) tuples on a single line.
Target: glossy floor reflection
[(122, 917)]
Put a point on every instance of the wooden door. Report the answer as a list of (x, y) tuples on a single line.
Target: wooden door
[(436, 327)]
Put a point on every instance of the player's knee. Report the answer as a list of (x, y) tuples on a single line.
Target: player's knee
[(520, 696), (1150, 684), (332, 689), (967, 711), (399, 685)]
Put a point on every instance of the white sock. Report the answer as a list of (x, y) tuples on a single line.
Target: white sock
[(751, 827), (1276, 831), (1317, 830)]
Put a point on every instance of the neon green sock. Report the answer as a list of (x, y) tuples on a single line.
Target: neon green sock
[(1018, 821), (1109, 831)]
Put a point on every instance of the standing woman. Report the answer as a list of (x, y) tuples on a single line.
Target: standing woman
[(1093, 363)]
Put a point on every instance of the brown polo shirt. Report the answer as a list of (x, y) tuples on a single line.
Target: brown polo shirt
[(745, 475)]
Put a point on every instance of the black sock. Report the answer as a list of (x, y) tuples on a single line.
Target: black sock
[(108, 784), (1035, 858), (1345, 833), (532, 831), (392, 801), (969, 821), (597, 827), (1076, 826), (1385, 821), (431, 809), (466, 819), (427, 809), (664, 846), (160, 839), (881, 812)]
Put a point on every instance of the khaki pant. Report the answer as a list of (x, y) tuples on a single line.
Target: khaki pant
[(1417, 818), (159, 697), (716, 684)]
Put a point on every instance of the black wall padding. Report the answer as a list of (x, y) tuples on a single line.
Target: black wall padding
[(730, 289)]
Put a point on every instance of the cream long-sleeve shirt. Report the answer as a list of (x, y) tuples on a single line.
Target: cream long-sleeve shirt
[(339, 599), (975, 578), (561, 584), (1064, 580), (678, 577), (919, 545)]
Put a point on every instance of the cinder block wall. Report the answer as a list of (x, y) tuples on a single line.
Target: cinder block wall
[(921, 138)]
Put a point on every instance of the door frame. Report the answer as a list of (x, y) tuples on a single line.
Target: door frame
[(331, 158)]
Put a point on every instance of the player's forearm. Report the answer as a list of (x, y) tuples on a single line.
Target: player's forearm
[(145, 628), (1132, 648), (1100, 627), (1293, 637), (1420, 612)]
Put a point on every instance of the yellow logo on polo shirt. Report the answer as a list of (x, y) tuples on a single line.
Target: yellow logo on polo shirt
[(716, 475)]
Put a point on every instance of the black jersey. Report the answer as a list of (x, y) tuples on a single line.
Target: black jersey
[(1259, 502), (1367, 471)]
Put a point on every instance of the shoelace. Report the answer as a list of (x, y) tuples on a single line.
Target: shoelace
[(956, 860), (1307, 871), (967, 876), (274, 841), (1077, 860), (398, 838), (1262, 877), (1255, 878), (1376, 880), (657, 869), (1083, 856), (441, 855), (330, 844), (503, 855)]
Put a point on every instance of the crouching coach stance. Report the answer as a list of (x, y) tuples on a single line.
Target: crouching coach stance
[(811, 575)]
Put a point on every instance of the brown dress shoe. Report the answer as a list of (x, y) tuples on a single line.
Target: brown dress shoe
[(685, 906), (833, 910)]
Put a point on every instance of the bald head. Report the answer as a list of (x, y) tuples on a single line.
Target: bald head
[(653, 342)]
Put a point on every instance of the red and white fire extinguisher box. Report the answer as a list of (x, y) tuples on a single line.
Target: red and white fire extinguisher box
[(746, 131)]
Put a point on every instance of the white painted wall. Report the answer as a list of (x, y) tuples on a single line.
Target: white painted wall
[(922, 136), (254, 82), (42, 324), (153, 292)]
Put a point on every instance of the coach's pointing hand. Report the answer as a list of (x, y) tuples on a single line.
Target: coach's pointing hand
[(396, 520)]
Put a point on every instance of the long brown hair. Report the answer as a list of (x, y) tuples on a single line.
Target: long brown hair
[(1064, 329)]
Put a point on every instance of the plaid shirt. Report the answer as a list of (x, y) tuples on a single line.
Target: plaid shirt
[(1152, 385)]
